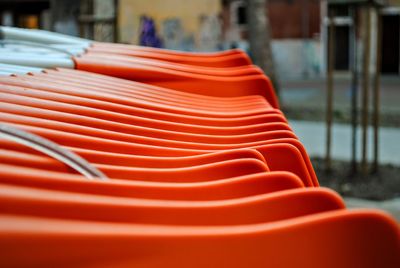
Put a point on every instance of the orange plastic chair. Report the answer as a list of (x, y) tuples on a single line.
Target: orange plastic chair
[(138, 93), (115, 47), (308, 167), (127, 115), (123, 103), (235, 142), (27, 159), (340, 238), (187, 82), (124, 129), (105, 115), (101, 157), (227, 59), (237, 187), (139, 89), (287, 157), (196, 69), (246, 210)]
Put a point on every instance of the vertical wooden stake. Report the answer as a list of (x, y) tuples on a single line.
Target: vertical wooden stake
[(329, 94), (365, 97), (376, 106), (354, 92)]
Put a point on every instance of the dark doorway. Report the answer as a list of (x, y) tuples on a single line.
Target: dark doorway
[(342, 47), (25, 14), (342, 38), (390, 44)]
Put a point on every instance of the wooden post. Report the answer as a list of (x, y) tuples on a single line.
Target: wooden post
[(376, 103), (365, 95), (329, 93), (354, 91), (104, 27), (98, 20), (259, 34)]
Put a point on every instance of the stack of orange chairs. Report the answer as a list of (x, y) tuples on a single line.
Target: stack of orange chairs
[(201, 169)]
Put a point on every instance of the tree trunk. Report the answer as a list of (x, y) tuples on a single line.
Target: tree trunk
[(260, 38)]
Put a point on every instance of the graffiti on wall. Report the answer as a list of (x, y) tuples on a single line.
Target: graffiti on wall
[(148, 33), (210, 33), (173, 34)]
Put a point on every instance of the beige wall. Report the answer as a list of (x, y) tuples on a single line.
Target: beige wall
[(394, 2), (190, 15)]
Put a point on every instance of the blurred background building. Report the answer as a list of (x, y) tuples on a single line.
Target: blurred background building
[(298, 27), (93, 19)]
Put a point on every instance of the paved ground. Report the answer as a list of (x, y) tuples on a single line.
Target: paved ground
[(312, 135), (391, 206), (311, 93), (306, 100)]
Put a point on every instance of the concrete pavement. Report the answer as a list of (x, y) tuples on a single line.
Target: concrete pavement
[(391, 206), (312, 93), (306, 100), (312, 135)]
